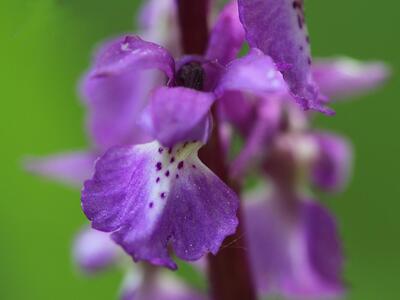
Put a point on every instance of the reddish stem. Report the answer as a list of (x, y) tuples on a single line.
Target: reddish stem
[(229, 270), (193, 24)]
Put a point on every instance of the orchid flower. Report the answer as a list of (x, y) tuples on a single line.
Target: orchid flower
[(150, 111), (294, 244), (158, 194)]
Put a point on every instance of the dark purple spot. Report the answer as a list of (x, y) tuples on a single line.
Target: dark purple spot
[(180, 165), (176, 176), (158, 180), (167, 173), (169, 150), (158, 166), (172, 159), (297, 4), (194, 166), (151, 204), (163, 195), (300, 21), (301, 48), (185, 144), (307, 39), (309, 60), (160, 150)]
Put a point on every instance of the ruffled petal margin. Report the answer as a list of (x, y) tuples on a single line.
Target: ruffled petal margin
[(153, 197)]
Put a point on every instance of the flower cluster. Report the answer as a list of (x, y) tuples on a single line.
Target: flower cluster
[(151, 109)]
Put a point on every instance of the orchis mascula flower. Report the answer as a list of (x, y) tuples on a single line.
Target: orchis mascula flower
[(149, 115), (295, 249), (160, 193)]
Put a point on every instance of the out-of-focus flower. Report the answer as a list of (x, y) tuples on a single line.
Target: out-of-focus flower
[(343, 77), (259, 119), (94, 251), (294, 247)]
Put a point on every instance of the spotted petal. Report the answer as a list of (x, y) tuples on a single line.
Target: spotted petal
[(151, 197), (278, 29)]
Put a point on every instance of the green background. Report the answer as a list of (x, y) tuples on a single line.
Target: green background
[(45, 47)]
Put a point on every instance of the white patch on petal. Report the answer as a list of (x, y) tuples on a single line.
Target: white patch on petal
[(165, 167)]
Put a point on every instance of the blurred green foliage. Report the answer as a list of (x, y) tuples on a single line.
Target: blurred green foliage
[(45, 47)]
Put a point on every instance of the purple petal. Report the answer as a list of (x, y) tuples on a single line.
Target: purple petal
[(94, 250), (325, 251), (344, 77), (296, 252), (117, 87), (278, 29), (151, 196), (71, 168), (227, 36), (332, 167), (254, 73), (132, 53), (263, 129), (238, 109), (114, 105), (179, 114)]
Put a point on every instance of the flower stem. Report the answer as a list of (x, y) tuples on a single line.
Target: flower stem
[(229, 270), (193, 25)]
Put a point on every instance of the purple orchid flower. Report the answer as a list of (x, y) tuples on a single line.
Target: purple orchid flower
[(159, 194), (150, 114), (259, 119), (294, 247)]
